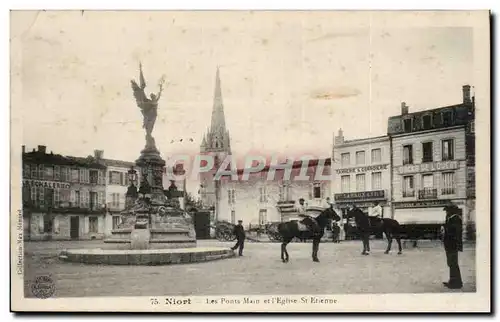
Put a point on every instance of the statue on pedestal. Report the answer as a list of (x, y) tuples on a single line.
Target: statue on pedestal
[(148, 106)]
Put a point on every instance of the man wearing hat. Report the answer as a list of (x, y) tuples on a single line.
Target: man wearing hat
[(239, 231), (452, 241)]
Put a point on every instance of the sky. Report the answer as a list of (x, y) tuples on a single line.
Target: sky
[(289, 80)]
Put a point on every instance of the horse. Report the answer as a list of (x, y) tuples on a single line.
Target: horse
[(369, 225), (307, 228)]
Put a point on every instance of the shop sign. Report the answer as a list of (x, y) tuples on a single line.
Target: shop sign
[(364, 195), (428, 167), (421, 204), (363, 169), (46, 184)]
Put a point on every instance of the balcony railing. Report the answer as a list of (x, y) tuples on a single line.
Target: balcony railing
[(448, 191), (427, 194), (64, 206), (408, 193)]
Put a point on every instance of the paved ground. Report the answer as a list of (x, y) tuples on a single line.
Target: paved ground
[(342, 270)]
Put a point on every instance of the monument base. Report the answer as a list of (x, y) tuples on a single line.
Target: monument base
[(145, 257)]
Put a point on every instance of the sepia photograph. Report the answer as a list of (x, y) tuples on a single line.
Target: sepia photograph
[(231, 161)]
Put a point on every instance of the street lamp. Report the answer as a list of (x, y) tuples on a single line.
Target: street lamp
[(132, 176)]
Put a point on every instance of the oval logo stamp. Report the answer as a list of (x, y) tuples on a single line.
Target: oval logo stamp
[(43, 287)]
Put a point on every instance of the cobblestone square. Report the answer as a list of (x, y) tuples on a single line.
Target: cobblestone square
[(342, 270)]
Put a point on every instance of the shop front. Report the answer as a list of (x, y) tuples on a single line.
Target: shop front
[(363, 200), (423, 219)]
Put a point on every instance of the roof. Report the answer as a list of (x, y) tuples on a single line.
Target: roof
[(118, 163), (57, 159)]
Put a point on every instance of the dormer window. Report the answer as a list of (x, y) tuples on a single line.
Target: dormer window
[(447, 118), (407, 125), (427, 122)]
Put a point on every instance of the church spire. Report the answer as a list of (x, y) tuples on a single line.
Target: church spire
[(218, 120)]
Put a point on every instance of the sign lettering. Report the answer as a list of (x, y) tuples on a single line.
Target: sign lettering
[(46, 184), (420, 204), (363, 169), (429, 167), (371, 195)]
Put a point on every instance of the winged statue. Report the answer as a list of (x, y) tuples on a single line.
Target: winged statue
[(147, 105)]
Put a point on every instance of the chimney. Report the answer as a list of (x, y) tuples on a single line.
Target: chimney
[(98, 154), (42, 149), (404, 108), (24, 149), (339, 139), (466, 94)]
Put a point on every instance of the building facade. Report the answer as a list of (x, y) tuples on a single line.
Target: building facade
[(258, 201), (429, 161), (63, 197), (361, 173), (117, 183)]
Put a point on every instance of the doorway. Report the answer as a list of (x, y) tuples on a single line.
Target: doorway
[(74, 227)]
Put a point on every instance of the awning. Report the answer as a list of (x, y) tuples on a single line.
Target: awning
[(420, 215)]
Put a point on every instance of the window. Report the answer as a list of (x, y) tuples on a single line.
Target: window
[(34, 193), (47, 223), (262, 217), (65, 174), (360, 157), (26, 171), (77, 199), (447, 117), (376, 155), (408, 186), (34, 171), (57, 172), (427, 152), (116, 222), (84, 176), (41, 171), (233, 216), (427, 122), (427, 181), (74, 175), (48, 173), (376, 180), (93, 200), (262, 194), (360, 182), (231, 196), (448, 183), (447, 149), (472, 127), (57, 196), (407, 125), (115, 177), (317, 190), (345, 182), (115, 199), (93, 225), (345, 159), (94, 176), (407, 154)]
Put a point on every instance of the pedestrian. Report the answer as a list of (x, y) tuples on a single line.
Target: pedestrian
[(336, 232), (239, 231), (452, 241)]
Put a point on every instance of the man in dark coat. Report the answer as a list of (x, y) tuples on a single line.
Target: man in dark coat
[(239, 231), (452, 241)]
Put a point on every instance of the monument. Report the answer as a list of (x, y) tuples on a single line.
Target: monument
[(154, 229)]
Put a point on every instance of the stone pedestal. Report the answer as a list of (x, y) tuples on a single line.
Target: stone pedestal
[(139, 239)]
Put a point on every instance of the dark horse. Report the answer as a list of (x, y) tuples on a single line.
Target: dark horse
[(368, 225), (307, 228)]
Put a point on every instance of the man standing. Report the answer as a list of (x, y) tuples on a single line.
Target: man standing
[(452, 240), (239, 231)]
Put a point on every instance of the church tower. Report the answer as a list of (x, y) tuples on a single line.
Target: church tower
[(216, 142)]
